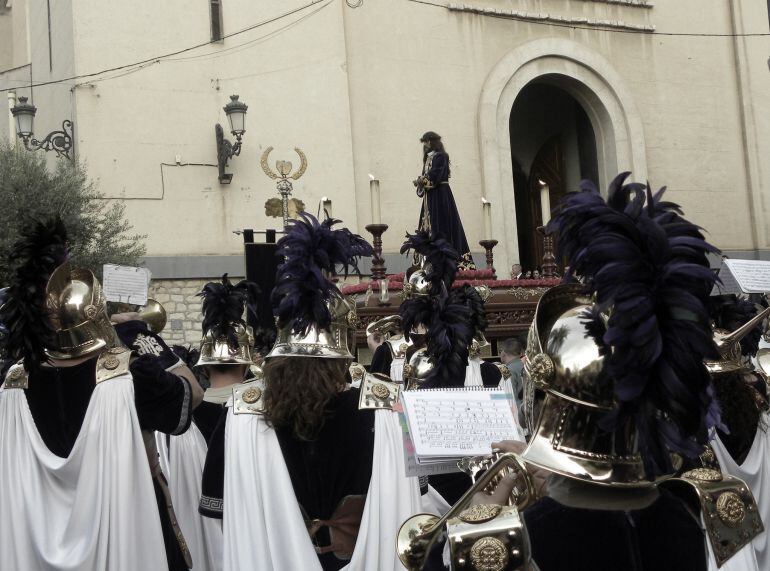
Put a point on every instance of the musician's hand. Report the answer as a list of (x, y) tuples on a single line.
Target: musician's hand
[(500, 496), (539, 476), (416, 182)]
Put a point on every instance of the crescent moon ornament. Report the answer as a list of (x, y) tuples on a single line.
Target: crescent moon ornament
[(302, 164), (266, 167)]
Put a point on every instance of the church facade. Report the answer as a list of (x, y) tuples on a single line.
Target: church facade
[(523, 92)]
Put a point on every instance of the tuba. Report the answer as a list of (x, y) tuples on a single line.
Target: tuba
[(154, 315), (419, 533)]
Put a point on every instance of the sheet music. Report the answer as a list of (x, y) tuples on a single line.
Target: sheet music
[(753, 276), (455, 423), (126, 284)]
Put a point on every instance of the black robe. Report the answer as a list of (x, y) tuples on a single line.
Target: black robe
[(338, 463), (442, 210), (381, 360), (58, 399), (664, 536)]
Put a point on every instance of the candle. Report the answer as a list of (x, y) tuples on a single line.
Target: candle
[(486, 207), (326, 207), (545, 202), (374, 185)]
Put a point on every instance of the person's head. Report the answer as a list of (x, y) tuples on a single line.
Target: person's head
[(431, 141), (298, 391), (227, 374), (510, 349), (374, 340)]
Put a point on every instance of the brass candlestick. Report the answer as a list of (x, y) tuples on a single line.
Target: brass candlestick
[(488, 245), (378, 263), (550, 269)]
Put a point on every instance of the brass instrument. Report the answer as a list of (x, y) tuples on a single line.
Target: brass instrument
[(154, 315), (419, 533)]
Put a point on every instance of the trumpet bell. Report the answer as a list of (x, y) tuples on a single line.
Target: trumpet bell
[(413, 544), (154, 315)]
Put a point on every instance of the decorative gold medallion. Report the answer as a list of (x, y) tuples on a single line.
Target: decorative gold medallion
[(489, 554), (380, 391), (357, 372), (90, 311), (480, 513), (731, 509), (110, 362), (703, 475), (352, 319), (251, 395), (408, 371), (15, 374), (541, 369), (402, 349)]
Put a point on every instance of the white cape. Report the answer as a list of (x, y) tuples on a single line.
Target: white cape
[(95, 509), (473, 373), (755, 471), (263, 525), (183, 466)]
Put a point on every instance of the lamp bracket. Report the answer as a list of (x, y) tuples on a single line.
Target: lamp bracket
[(225, 151), (58, 141)]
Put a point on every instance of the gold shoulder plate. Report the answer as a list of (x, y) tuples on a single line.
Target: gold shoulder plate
[(247, 397), (378, 391), (504, 370), (16, 377), (728, 508), (357, 372), (112, 363), (489, 537)]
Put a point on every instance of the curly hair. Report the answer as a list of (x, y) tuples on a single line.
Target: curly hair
[(298, 391)]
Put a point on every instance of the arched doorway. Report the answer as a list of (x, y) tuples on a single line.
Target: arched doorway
[(552, 144), (591, 81)]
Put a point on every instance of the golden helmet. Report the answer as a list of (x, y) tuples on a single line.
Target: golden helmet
[(77, 312), (217, 350), (331, 343), (567, 392)]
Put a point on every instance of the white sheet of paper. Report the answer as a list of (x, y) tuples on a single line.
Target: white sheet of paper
[(744, 276), (447, 424), (126, 284)]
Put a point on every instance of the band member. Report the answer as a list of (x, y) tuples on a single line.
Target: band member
[(390, 346), (439, 215), (314, 474), (741, 445), (436, 318), (617, 391), (76, 422)]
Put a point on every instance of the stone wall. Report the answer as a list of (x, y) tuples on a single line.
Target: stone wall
[(183, 308)]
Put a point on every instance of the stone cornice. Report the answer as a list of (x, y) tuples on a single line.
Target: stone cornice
[(630, 3), (551, 18)]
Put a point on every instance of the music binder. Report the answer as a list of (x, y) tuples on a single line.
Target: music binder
[(452, 423)]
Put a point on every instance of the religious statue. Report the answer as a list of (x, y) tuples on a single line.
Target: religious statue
[(439, 214)]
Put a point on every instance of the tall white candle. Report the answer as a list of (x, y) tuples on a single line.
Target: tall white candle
[(326, 207), (486, 206), (374, 185), (545, 203)]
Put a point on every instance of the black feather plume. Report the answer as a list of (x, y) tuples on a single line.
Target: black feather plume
[(442, 260), (40, 250), (311, 251), (642, 259), (224, 305), (450, 334)]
